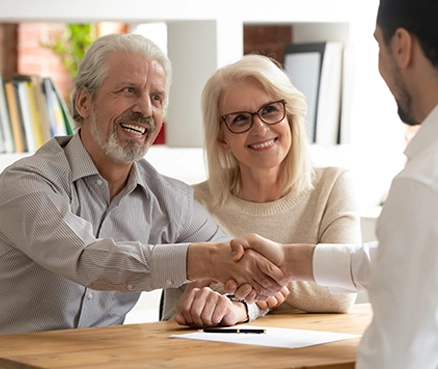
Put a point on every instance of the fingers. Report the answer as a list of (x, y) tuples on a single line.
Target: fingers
[(244, 292), (265, 277), (202, 308), (231, 286), (263, 304), (274, 301), (179, 318), (269, 249), (252, 268)]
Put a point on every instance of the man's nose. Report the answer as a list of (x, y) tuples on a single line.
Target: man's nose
[(144, 106)]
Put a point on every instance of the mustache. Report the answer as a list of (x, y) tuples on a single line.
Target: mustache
[(138, 118)]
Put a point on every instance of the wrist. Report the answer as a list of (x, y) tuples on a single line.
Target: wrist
[(242, 306), (199, 261), (299, 261)]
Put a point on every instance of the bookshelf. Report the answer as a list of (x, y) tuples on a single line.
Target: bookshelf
[(201, 36), (204, 35), (32, 111)]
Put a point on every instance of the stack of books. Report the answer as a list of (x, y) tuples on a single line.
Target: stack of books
[(31, 112)]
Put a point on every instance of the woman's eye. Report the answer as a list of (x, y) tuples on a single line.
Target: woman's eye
[(240, 117), (269, 109)]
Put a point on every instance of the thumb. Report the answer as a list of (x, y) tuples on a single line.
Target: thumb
[(238, 246)]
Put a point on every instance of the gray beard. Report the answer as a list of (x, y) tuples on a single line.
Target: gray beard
[(131, 152)]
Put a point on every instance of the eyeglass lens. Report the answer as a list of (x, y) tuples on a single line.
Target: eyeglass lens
[(271, 113)]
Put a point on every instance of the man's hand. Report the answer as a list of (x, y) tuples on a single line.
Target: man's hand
[(295, 261), (215, 261), (273, 251), (203, 307), (274, 301)]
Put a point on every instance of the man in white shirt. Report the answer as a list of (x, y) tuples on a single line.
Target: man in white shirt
[(401, 271)]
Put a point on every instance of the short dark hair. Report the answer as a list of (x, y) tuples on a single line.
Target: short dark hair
[(418, 17)]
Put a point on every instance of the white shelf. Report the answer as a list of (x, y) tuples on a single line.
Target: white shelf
[(283, 11)]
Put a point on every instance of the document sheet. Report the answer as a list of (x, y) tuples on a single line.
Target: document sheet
[(274, 337)]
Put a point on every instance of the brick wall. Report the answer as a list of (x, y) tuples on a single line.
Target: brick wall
[(33, 58)]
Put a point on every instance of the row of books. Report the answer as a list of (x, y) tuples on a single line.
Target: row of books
[(31, 112)]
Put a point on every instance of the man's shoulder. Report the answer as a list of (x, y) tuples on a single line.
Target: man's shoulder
[(422, 168), (156, 180), (50, 157)]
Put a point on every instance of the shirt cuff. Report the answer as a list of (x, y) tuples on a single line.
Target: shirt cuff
[(168, 265), (254, 312), (332, 267)]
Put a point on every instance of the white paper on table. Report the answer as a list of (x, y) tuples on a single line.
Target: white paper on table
[(274, 337)]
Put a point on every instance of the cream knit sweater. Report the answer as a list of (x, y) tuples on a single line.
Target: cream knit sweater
[(326, 214)]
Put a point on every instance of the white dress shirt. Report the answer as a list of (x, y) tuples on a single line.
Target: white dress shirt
[(402, 272)]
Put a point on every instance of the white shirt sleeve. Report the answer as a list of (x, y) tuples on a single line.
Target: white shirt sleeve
[(344, 268)]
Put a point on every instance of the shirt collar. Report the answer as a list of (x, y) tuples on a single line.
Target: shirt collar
[(426, 135), (82, 165), (80, 161)]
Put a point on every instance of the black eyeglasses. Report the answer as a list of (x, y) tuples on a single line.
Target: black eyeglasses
[(270, 114)]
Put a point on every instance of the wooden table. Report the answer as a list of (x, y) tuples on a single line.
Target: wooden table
[(148, 346)]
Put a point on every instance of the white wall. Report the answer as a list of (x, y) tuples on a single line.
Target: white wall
[(203, 35)]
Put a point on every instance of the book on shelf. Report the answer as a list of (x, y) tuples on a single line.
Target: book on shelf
[(23, 106), (315, 69), (66, 116), (37, 108), (34, 110), (41, 107), (2, 135), (5, 120), (17, 132), (55, 117)]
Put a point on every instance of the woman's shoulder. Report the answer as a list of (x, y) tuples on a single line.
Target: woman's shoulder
[(201, 190), (325, 173)]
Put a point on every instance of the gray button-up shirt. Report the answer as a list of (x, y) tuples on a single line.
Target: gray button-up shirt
[(70, 257)]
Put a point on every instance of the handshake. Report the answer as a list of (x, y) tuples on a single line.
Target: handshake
[(251, 267)]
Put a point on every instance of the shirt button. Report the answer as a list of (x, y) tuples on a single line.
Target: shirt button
[(90, 296), (99, 182), (169, 282), (130, 287)]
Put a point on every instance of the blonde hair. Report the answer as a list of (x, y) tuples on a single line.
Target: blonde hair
[(223, 167)]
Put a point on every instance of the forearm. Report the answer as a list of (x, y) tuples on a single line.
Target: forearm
[(200, 257), (298, 261), (312, 298)]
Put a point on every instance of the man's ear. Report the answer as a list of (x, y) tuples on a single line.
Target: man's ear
[(402, 47), (83, 103)]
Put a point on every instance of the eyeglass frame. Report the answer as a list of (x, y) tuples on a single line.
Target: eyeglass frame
[(282, 101)]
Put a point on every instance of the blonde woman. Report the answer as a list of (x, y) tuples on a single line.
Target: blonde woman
[(262, 180)]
